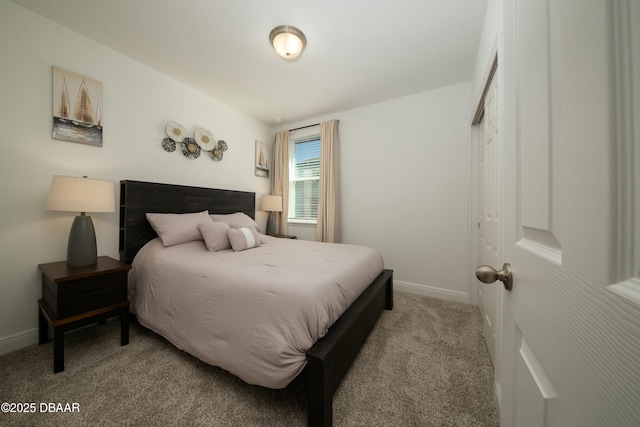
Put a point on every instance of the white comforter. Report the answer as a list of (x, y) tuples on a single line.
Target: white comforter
[(253, 313)]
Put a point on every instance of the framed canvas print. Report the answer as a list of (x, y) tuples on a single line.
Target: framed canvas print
[(77, 108), (263, 159)]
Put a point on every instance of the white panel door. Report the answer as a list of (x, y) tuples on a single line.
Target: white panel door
[(488, 211), (569, 345)]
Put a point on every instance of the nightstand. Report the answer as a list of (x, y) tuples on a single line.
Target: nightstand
[(285, 236), (77, 296)]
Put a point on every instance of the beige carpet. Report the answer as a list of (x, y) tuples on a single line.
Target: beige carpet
[(425, 364)]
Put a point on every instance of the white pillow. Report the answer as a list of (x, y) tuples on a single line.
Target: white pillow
[(237, 220), (243, 238), (174, 229), (215, 235)]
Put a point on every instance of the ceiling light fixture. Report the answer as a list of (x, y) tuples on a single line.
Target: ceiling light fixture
[(288, 41)]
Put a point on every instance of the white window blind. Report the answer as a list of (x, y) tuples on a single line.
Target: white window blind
[(304, 178)]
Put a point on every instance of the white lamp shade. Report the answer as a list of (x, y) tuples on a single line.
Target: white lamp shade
[(271, 203), (75, 194), (288, 41)]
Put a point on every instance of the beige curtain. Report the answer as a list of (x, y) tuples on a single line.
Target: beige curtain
[(280, 185), (328, 226)]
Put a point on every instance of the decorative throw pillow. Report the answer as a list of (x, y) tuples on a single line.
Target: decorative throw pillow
[(237, 220), (174, 229), (260, 235), (243, 238), (215, 235)]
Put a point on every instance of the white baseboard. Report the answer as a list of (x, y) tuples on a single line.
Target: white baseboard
[(18, 340), (430, 291)]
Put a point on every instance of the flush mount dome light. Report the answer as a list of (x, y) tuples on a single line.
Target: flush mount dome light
[(288, 41)]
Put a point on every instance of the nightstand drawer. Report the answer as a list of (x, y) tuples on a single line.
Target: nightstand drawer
[(78, 296), (69, 291)]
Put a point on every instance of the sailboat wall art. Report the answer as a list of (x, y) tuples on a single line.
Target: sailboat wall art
[(77, 108), (263, 159)]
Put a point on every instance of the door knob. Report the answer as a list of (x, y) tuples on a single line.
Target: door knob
[(488, 274)]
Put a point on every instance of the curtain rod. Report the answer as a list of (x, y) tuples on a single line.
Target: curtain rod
[(304, 127), (308, 126)]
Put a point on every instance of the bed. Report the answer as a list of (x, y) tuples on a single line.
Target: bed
[(328, 358)]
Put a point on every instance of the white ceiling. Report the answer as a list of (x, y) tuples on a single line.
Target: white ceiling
[(358, 52)]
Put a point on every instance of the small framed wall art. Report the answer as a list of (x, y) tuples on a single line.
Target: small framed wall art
[(77, 108), (263, 159)]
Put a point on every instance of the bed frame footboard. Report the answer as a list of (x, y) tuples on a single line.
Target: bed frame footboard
[(330, 357)]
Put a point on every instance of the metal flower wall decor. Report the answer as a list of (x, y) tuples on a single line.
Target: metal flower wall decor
[(191, 148)]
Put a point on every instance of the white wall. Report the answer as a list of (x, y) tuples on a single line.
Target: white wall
[(405, 186), (138, 103)]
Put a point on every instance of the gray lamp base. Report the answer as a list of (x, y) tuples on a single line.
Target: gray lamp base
[(82, 249), (271, 225)]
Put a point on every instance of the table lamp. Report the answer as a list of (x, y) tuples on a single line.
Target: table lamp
[(75, 194), (271, 204)]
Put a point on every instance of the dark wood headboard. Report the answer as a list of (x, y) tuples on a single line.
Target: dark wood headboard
[(137, 198)]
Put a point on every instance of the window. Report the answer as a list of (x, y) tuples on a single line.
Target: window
[(304, 178)]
